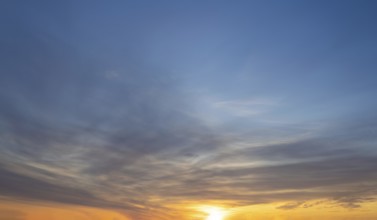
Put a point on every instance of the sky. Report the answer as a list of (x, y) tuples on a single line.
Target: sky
[(162, 110)]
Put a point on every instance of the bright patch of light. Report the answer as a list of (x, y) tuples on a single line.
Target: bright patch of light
[(215, 214)]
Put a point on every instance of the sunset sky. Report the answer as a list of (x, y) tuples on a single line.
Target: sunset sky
[(188, 110)]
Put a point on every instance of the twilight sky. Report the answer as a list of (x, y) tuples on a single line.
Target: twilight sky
[(148, 110)]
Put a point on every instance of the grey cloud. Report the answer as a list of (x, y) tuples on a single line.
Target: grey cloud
[(82, 137), (291, 205), (18, 186), (352, 202), (321, 168), (303, 204)]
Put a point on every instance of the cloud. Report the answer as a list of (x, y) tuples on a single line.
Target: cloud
[(18, 186), (291, 205), (71, 135), (7, 214), (301, 204), (245, 107), (116, 131)]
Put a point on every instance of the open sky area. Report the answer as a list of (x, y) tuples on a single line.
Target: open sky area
[(188, 110)]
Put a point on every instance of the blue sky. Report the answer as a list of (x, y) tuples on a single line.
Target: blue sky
[(123, 95)]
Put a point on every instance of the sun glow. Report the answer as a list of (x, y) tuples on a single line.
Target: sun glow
[(215, 214)]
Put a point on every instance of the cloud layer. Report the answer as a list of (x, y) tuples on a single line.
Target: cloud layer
[(84, 125)]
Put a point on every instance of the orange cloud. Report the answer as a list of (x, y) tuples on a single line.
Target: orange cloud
[(44, 211)]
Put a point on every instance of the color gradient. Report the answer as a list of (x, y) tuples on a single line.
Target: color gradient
[(189, 110)]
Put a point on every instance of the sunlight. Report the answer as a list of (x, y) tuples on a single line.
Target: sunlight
[(215, 214)]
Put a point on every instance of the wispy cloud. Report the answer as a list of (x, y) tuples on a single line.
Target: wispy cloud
[(102, 124), (245, 107)]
